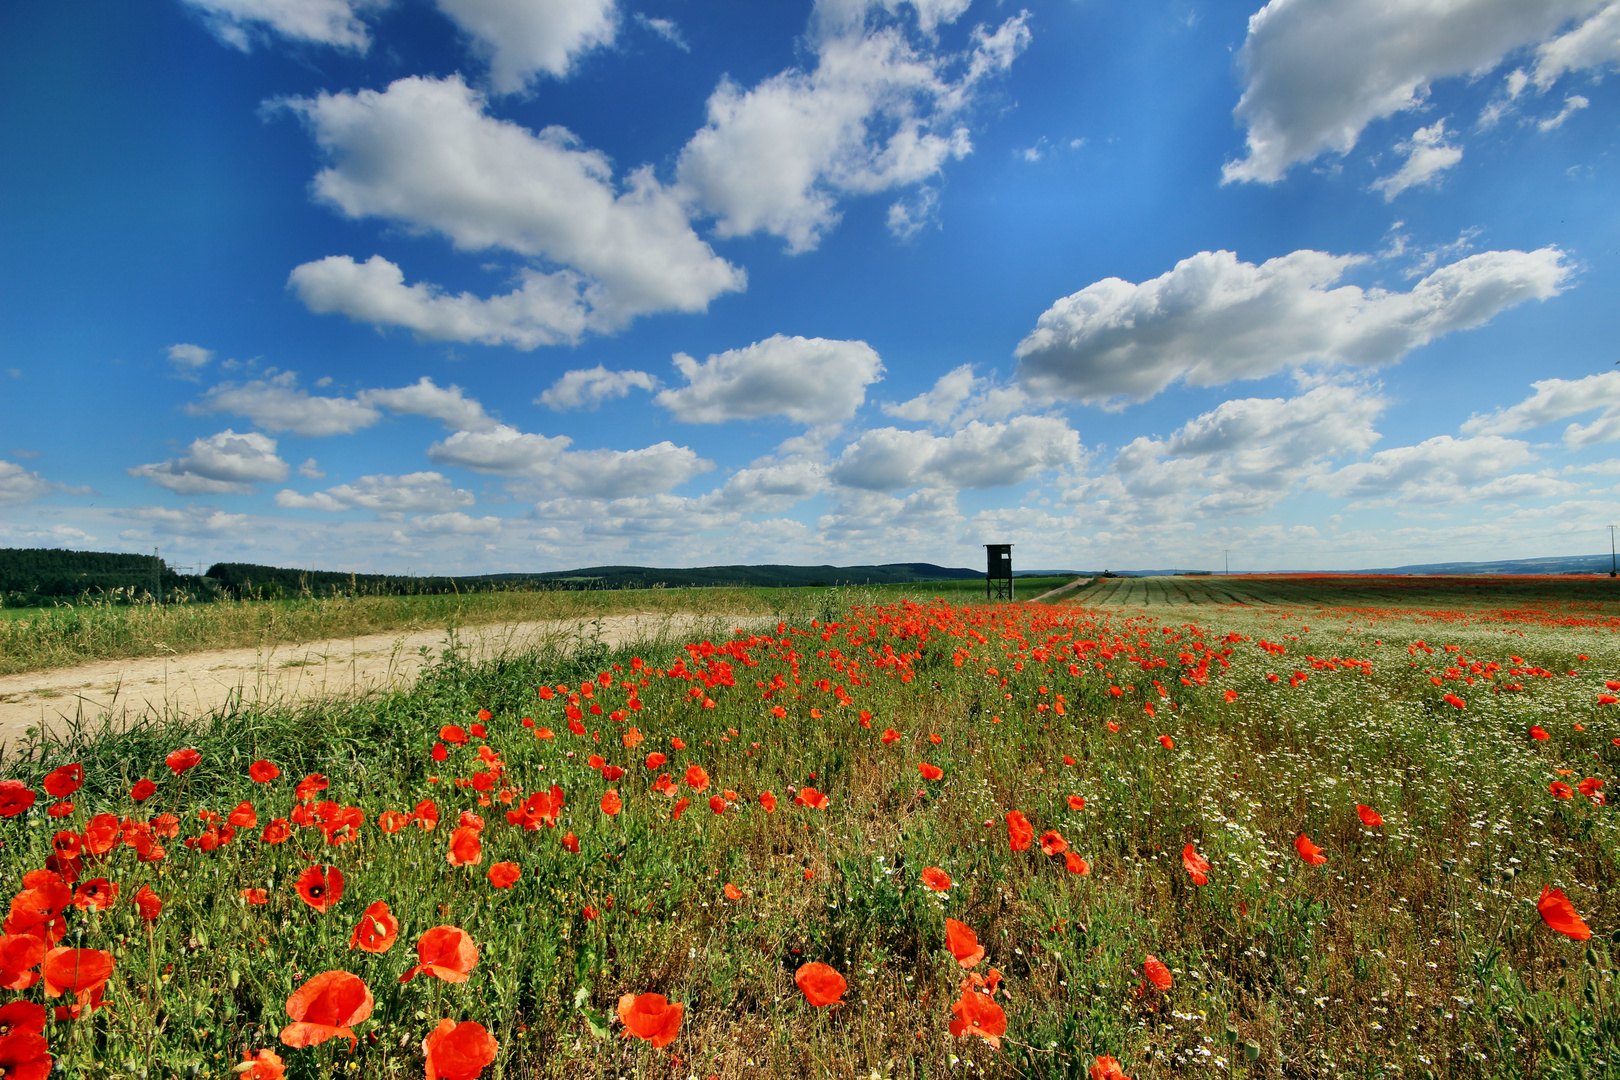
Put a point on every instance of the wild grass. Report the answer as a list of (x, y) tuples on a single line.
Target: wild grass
[(72, 634), (1415, 950)]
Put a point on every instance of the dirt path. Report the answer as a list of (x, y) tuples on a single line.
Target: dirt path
[(1061, 590), (196, 683)]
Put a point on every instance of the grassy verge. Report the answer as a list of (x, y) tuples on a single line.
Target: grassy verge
[(1414, 949)]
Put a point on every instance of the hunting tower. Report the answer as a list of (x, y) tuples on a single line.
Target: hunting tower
[(998, 578)]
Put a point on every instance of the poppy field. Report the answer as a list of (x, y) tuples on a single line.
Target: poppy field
[(908, 839)]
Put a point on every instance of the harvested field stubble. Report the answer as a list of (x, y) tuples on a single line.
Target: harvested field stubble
[(1270, 842)]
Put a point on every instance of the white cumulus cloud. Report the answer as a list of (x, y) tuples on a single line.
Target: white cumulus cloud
[(1214, 319), (1560, 399), (277, 404), (320, 22), (446, 404), (1428, 154), (522, 38), (1317, 72), (413, 493), (875, 113), (978, 455), (813, 381), (222, 464), (426, 154), (1437, 470), (547, 464), (19, 485), (589, 387)]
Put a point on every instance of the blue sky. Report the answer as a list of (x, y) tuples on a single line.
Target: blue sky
[(481, 285)]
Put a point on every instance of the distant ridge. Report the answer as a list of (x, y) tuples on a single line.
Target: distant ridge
[(1566, 564)]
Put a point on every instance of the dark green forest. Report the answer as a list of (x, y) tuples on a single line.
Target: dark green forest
[(36, 577)]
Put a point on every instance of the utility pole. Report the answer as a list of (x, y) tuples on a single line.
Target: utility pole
[(1227, 554), (1612, 568)]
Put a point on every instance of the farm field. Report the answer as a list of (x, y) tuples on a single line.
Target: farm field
[(1575, 593), (902, 838), (33, 639)]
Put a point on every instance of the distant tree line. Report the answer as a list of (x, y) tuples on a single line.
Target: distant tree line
[(34, 577)]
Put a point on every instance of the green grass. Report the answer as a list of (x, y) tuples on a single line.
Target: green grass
[(38, 638), (1415, 950)]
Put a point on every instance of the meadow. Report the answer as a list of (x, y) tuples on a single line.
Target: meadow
[(1266, 836), (33, 639)]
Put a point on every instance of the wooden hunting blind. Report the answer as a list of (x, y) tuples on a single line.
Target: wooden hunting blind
[(998, 578)]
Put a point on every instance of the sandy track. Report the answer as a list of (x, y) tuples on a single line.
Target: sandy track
[(197, 683)]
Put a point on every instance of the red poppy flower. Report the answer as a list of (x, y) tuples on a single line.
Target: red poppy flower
[(61, 782), (15, 797), (391, 821), (277, 832), (963, 943), (1558, 913), (930, 772), (97, 894), (458, 1051), (1230, 695), (1052, 843), (571, 843), (768, 801), (655, 760), (262, 771), (19, 953), (327, 1007), (890, 736), (717, 804), (265, 1065), (1077, 802), (1369, 817), (320, 887), (445, 952), (244, 816), (977, 1014), (376, 931), (67, 844), (810, 797), (148, 903), (697, 779), (1456, 702), (1167, 742), (820, 984), (1196, 865), (465, 847), (935, 878), (1589, 787), (732, 892), (611, 802), (1156, 972), (256, 897), (426, 814), (310, 786), (83, 971), (1561, 790), (650, 1017), (1075, 864), (1537, 733), (1107, 1068), (503, 875), (1019, 831), (181, 760), (453, 734), (144, 789), (25, 1056), (22, 1017), (1309, 851), (1112, 726)]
